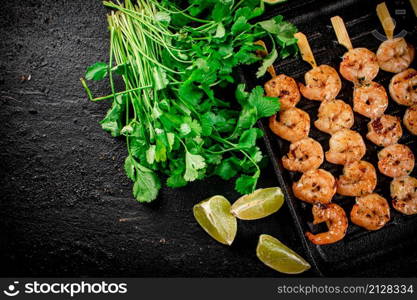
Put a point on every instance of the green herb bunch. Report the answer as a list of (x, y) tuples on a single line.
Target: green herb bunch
[(176, 63)]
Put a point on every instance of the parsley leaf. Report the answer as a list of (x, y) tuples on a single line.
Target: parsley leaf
[(267, 61), (176, 180), (265, 106), (146, 186), (246, 184), (240, 25), (193, 162), (98, 71), (112, 121), (226, 170), (129, 167), (248, 139)]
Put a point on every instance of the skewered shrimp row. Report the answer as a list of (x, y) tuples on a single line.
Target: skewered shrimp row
[(305, 155), (347, 147)]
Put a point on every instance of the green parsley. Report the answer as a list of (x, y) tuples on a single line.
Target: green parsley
[(175, 63)]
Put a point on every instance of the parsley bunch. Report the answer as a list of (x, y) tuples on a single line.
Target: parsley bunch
[(176, 64)]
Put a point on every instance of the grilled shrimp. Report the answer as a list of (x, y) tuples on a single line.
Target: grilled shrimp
[(336, 221), (396, 160), (293, 124), (285, 88), (385, 130), (404, 194), (315, 186), (359, 178), (370, 99), (395, 55), (370, 212), (345, 146), (359, 65), (306, 154), (403, 87), (334, 115), (322, 83), (410, 119)]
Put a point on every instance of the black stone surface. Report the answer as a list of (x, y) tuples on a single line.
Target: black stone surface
[(65, 205)]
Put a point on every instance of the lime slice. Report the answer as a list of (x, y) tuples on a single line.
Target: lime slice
[(279, 257), (213, 214), (259, 204), (274, 1)]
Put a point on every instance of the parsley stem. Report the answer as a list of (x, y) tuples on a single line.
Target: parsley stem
[(111, 62), (220, 139), (87, 89), (120, 93)]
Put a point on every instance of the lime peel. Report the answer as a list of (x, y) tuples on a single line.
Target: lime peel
[(213, 215), (272, 2), (279, 257), (259, 204)]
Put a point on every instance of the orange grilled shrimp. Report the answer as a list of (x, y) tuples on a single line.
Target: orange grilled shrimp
[(403, 87), (359, 178), (395, 55), (305, 154), (404, 194), (345, 146), (315, 186), (385, 130), (293, 124), (336, 220), (396, 160), (370, 212), (370, 99), (359, 65), (285, 88), (334, 115), (322, 83)]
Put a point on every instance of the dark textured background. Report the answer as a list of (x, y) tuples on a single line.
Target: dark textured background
[(62, 188)]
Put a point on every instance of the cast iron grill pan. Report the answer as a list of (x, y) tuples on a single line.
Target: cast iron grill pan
[(313, 18)]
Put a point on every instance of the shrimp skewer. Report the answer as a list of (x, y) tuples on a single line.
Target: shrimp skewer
[(322, 82), (293, 124), (333, 116), (358, 65), (306, 154), (385, 130), (370, 212), (370, 99), (336, 221), (395, 54), (404, 194), (281, 86)]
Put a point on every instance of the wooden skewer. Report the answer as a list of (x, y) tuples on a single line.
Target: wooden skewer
[(414, 6), (263, 53), (305, 49), (385, 19), (341, 32)]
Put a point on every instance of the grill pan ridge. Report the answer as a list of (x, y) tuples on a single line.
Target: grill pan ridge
[(359, 246)]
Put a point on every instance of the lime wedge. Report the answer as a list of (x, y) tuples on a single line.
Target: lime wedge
[(279, 257), (259, 204), (213, 214)]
